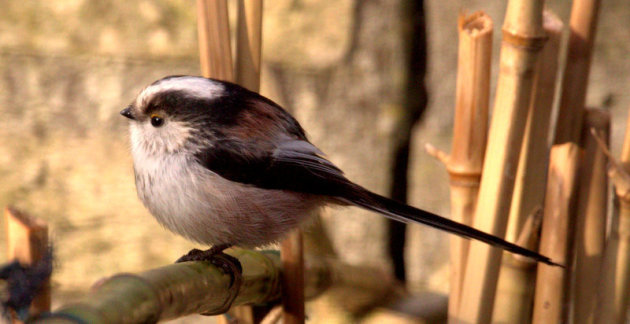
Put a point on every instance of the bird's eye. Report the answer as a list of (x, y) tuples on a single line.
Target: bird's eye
[(156, 120)]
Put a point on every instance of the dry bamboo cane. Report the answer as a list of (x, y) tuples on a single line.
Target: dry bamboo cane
[(469, 135), (248, 43), (198, 287), (590, 218), (523, 38), (215, 51), (247, 74), (27, 241), (574, 82), (551, 282), (605, 311), (293, 278), (615, 300), (515, 291), (213, 29), (622, 271), (248, 53), (610, 308), (622, 231)]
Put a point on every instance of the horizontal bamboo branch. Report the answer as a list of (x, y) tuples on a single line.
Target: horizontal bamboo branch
[(199, 287)]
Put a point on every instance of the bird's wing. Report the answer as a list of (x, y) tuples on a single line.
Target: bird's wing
[(297, 165), (292, 164)]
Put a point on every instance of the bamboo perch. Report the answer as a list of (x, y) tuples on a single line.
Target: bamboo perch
[(575, 80), (551, 282), (469, 135), (523, 38), (27, 241), (248, 43), (214, 39), (515, 292), (591, 217), (197, 287)]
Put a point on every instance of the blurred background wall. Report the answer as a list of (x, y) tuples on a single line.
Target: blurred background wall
[(68, 66)]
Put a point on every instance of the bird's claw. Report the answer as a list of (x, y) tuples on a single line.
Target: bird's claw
[(225, 262), (228, 264), (192, 255)]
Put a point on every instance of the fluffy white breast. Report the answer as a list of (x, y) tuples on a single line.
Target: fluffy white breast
[(200, 205)]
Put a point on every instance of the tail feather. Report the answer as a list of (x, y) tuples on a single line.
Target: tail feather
[(404, 213)]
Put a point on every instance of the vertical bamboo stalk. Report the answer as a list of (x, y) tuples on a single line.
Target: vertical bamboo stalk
[(591, 217), (27, 241), (549, 302), (215, 53), (293, 278), (619, 245), (248, 43), (469, 135), (605, 311), (615, 274), (523, 38), (530, 182), (574, 82), (214, 39), (622, 271), (515, 290)]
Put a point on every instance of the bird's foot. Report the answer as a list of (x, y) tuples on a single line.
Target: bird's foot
[(228, 265), (215, 255)]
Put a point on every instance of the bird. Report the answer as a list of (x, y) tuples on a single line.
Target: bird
[(225, 166)]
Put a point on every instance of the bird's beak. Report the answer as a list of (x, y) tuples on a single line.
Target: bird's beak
[(127, 113)]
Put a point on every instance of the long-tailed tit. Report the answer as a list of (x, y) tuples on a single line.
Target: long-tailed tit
[(222, 165)]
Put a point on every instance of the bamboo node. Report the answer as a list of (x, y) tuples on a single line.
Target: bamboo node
[(528, 43), (457, 177), (464, 179)]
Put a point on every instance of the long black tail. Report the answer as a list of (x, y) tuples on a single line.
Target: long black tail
[(404, 213)]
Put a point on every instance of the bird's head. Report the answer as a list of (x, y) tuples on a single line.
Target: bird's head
[(170, 114)]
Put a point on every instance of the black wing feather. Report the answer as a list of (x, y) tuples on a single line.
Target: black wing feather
[(297, 165)]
